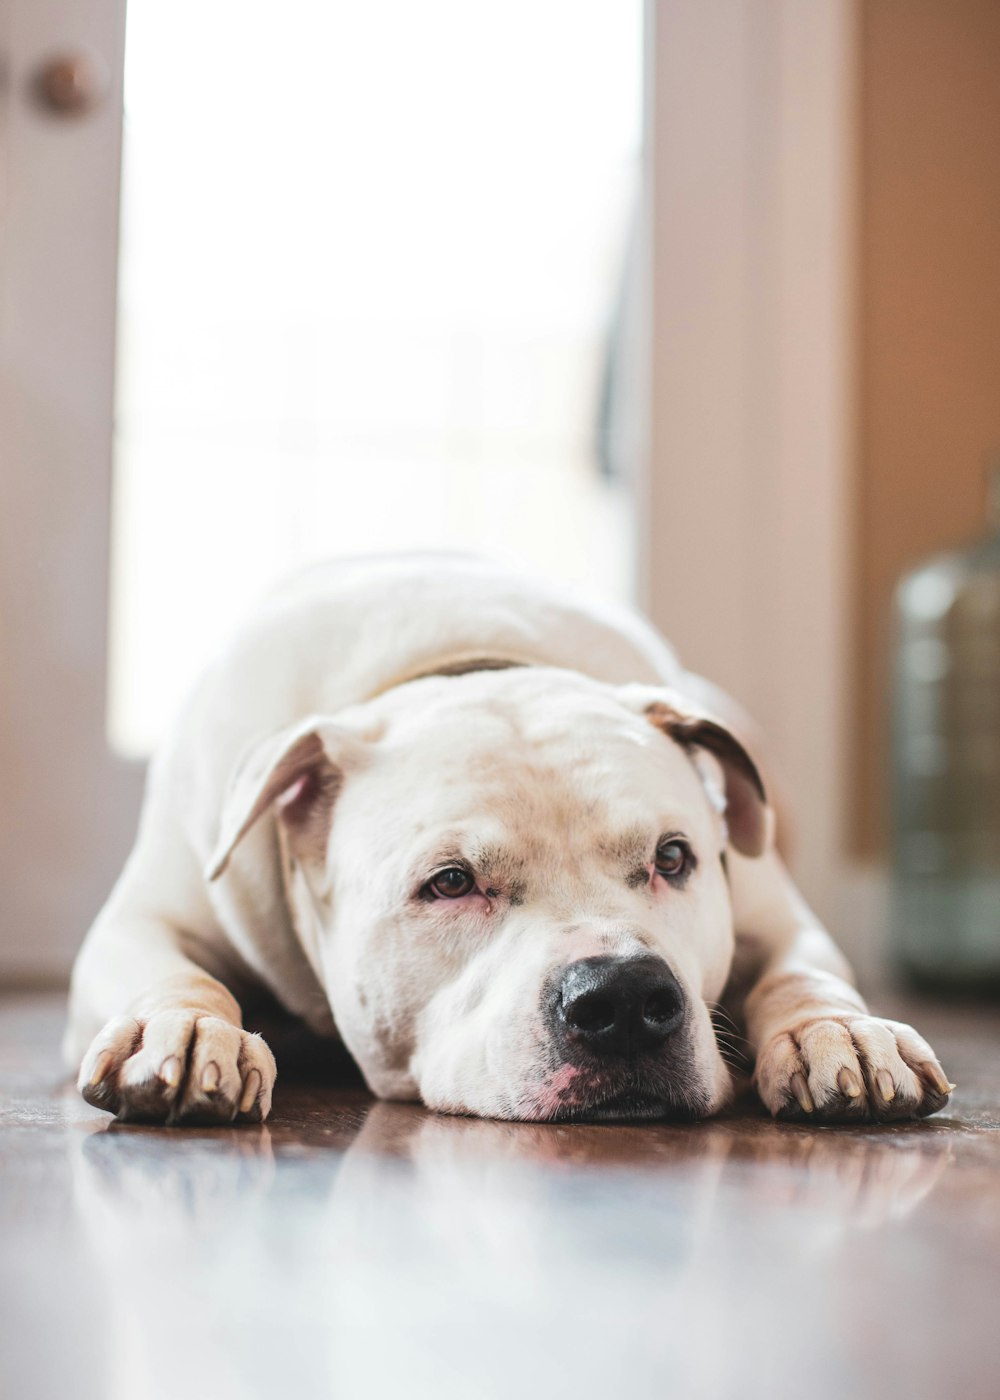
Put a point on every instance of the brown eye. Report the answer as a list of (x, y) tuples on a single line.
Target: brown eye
[(673, 859), (452, 883)]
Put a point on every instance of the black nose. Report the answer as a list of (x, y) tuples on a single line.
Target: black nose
[(619, 1006)]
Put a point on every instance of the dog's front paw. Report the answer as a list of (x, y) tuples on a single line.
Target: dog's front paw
[(850, 1068), (178, 1067)]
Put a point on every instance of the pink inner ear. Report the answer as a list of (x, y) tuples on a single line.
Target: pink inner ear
[(292, 796)]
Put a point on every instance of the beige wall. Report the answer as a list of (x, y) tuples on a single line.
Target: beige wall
[(929, 317)]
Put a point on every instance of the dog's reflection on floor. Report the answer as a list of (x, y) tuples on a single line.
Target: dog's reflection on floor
[(202, 1175), (269, 1261)]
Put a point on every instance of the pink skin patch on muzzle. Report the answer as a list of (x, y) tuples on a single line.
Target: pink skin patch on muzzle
[(554, 1095)]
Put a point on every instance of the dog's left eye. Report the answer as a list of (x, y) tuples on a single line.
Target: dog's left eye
[(451, 883), (673, 859)]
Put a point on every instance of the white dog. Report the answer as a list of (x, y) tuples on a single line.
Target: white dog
[(493, 838)]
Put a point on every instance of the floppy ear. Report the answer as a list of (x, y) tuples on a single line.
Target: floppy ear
[(298, 771), (747, 813)]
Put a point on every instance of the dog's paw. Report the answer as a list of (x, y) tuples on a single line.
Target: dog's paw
[(178, 1067), (849, 1069)]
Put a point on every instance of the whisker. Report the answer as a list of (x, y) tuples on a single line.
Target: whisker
[(730, 1032), (718, 1010)]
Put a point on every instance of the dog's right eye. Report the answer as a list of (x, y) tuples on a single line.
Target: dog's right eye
[(451, 883)]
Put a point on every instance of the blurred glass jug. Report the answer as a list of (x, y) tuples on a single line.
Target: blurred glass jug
[(946, 766)]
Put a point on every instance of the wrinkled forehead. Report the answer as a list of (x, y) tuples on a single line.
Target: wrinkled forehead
[(520, 762)]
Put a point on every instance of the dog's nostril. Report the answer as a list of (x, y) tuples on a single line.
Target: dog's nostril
[(660, 1008), (594, 1013)]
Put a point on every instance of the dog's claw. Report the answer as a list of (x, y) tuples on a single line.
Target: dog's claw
[(848, 1084), (886, 1087), (210, 1078), (250, 1091), (170, 1071), (100, 1069), (800, 1089), (936, 1076)]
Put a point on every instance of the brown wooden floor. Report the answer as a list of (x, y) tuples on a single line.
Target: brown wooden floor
[(358, 1249)]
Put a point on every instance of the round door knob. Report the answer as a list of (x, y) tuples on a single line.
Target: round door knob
[(71, 84)]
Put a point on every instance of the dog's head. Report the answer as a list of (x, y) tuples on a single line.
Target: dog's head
[(512, 885)]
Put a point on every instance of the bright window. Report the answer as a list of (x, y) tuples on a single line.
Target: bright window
[(370, 256)]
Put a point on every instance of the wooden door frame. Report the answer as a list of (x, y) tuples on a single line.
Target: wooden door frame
[(751, 249), (69, 807)]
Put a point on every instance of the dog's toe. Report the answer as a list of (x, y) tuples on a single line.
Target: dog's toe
[(98, 1077), (258, 1072), (213, 1083)]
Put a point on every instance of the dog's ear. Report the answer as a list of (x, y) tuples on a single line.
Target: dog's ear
[(746, 810), (298, 772)]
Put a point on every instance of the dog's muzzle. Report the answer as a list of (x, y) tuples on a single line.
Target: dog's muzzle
[(616, 1008)]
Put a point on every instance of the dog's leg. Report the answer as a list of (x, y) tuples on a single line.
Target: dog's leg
[(177, 1051), (820, 1055), (171, 1045)]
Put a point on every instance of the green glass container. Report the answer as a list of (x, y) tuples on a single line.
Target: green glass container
[(945, 799)]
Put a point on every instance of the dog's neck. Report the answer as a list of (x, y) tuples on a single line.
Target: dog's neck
[(456, 665)]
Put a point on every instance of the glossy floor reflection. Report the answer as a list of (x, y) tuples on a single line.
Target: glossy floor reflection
[(352, 1248)]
